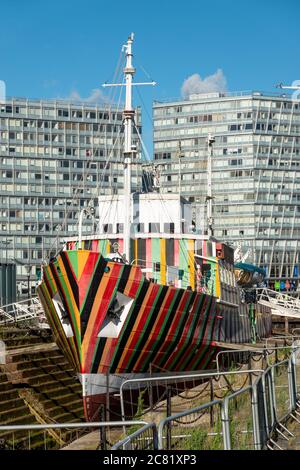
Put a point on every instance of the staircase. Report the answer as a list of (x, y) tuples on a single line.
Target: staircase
[(37, 385)]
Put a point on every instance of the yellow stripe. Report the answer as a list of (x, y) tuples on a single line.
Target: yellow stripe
[(134, 328), (163, 262), (92, 318), (70, 292), (82, 259), (135, 250), (191, 250), (218, 284)]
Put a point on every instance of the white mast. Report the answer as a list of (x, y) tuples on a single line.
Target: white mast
[(128, 113), (129, 150)]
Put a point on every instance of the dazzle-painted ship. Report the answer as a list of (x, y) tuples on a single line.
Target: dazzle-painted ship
[(146, 294)]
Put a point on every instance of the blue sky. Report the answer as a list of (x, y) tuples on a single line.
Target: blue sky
[(52, 49)]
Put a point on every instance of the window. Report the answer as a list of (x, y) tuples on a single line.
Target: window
[(154, 227), (169, 227), (107, 228), (157, 267), (235, 162)]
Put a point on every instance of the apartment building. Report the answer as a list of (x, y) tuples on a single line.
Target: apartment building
[(56, 158), (255, 177)]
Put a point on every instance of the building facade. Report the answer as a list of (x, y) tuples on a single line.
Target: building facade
[(255, 176), (56, 158)]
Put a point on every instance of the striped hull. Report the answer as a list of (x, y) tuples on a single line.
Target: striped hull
[(157, 328)]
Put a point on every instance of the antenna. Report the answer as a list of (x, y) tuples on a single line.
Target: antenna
[(180, 155), (209, 197)]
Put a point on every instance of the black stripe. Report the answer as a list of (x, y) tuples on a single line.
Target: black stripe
[(97, 276), (61, 293), (179, 333), (124, 277), (145, 333), (70, 275), (100, 349), (135, 311), (170, 319), (204, 321)]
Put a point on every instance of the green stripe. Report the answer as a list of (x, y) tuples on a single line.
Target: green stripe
[(112, 297), (142, 336), (156, 257), (183, 262), (50, 279), (182, 320), (209, 357), (186, 343), (71, 310), (124, 328), (199, 341)]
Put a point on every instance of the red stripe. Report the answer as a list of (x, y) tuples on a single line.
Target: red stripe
[(146, 307), (102, 310), (160, 356), (182, 340), (196, 333), (86, 276), (161, 315)]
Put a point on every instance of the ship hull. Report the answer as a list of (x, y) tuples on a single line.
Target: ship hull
[(112, 397), (110, 321)]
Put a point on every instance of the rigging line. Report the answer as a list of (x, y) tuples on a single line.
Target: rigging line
[(88, 164), (108, 162), (188, 256), (80, 187), (144, 105), (99, 187), (142, 143)]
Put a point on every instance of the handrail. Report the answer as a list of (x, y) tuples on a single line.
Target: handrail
[(263, 425), (166, 378), (166, 420), (136, 434)]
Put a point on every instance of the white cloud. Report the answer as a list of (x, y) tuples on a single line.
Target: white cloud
[(211, 83), (96, 96)]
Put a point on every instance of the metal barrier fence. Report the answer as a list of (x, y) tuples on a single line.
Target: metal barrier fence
[(244, 419), (142, 439), (200, 427), (239, 424), (27, 436)]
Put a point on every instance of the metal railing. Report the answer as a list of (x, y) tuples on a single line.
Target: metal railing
[(55, 435), (245, 419), (239, 418), (281, 303), (194, 428), (165, 380), (29, 309), (142, 439)]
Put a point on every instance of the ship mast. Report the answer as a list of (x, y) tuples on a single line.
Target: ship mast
[(129, 149), (128, 114)]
